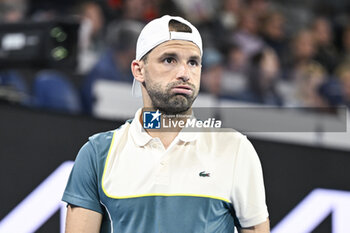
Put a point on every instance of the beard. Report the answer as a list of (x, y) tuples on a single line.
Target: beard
[(168, 102)]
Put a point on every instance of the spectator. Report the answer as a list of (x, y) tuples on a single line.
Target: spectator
[(220, 79), (114, 63), (133, 9), (212, 72), (262, 79), (228, 16), (273, 32), (258, 7), (302, 52), (224, 23), (90, 35), (331, 92), (246, 35), (343, 73), (236, 61), (307, 84), (198, 11), (326, 53), (12, 11), (345, 48), (234, 79)]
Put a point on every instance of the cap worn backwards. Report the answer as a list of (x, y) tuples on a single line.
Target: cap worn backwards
[(157, 32)]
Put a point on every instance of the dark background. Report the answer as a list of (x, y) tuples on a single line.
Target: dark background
[(34, 143)]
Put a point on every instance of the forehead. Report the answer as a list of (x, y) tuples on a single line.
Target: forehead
[(176, 46)]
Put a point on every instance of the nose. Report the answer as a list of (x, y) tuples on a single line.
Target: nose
[(183, 73)]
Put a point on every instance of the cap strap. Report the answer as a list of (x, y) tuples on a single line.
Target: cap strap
[(181, 36)]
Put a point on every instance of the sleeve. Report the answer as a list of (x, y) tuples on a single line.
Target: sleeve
[(248, 192), (82, 186)]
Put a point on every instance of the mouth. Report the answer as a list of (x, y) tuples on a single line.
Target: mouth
[(182, 89)]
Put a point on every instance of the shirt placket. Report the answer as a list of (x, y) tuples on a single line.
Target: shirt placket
[(162, 176)]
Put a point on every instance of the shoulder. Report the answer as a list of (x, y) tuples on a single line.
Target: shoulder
[(94, 152), (100, 143), (101, 140)]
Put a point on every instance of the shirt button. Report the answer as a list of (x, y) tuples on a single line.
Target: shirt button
[(154, 146)]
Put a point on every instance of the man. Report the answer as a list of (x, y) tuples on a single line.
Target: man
[(135, 181)]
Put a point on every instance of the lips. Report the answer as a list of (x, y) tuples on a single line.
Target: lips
[(183, 89)]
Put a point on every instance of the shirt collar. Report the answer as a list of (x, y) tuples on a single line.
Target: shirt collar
[(141, 137), (187, 136)]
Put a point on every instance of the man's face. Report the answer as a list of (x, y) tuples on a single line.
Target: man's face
[(172, 76)]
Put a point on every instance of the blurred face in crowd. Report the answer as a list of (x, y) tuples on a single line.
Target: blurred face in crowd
[(269, 65), (304, 46), (171, 76), (258, 6), (133, 9), (93, 12), (322, 31), (311, 77), (346, 39), (248, 22), (237, 60), (345, 81), (211, 79), (274, 26), (232, 5)]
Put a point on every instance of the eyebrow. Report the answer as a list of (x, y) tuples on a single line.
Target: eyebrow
[(164, 55), (196, 58)]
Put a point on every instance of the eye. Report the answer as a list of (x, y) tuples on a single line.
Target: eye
[(193, 63), (169, 60)]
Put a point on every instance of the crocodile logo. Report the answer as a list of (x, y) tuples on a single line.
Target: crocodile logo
[(204, 174)]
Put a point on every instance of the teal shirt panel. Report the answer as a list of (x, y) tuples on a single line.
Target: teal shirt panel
[(84, 184)]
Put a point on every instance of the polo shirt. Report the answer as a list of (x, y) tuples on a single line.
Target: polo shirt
[(203, 182)]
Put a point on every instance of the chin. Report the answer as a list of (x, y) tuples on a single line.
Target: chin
[(175, 109)]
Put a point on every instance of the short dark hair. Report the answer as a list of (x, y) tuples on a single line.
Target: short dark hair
[(177, 26), (174, 26)]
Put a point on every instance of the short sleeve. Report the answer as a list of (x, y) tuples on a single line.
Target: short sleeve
[(82, 186), (248, 192)]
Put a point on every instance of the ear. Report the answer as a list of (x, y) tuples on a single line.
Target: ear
[(137, 70)]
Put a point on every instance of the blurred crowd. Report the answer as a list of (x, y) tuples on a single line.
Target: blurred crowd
[(259, 51)]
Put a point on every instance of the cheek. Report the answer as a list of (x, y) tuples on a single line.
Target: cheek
[(155, 81), (197, 77), (159, 74)]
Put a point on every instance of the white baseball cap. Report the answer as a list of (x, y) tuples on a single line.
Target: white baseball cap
[(157, 32)]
